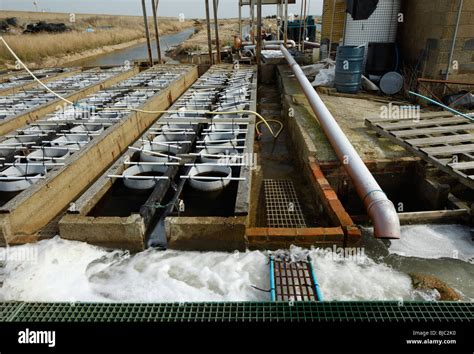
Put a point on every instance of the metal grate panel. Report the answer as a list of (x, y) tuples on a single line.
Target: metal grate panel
[(293, 281), (360, 311), (282, 206)]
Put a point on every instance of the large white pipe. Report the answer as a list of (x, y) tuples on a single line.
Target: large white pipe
[(379, 208), (290, 42)]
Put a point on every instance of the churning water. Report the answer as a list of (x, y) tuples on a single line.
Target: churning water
[(60, 270)]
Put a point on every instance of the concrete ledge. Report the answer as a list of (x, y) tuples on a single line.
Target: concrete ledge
[(206, 233), (114, 232), (12, 123), (32, 209)]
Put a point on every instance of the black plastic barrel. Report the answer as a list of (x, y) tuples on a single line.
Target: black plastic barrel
[(349, 61)]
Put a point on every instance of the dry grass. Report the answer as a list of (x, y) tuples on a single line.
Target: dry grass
[(108, 30)]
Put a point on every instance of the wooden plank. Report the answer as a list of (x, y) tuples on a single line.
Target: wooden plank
[(444, 139), (434, 130), (441, 164), (465, 165), (449, 150), (432, 216), (409, 123)]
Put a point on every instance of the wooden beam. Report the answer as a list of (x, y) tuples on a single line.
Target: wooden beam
[(154, 4), (209, 39), (259, 34), (147, 33), (216, 26)]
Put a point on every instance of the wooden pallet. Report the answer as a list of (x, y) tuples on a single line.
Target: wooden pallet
[(440, 138)]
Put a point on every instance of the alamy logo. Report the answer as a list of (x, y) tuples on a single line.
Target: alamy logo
[(392, 111), (37, 337)]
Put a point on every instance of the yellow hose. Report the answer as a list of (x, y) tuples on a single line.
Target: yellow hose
[(141, 110), (270, 120)]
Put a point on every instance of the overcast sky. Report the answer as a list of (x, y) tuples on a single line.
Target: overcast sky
[(169, 8)]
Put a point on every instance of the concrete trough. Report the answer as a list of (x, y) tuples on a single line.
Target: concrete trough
[(26, 106), (22, 216), (24, 81), (164, 215)]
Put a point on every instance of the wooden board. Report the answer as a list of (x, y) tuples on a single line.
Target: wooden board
[(440, 138)]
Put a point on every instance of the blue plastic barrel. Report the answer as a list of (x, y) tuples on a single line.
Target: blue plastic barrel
[(349, 62)]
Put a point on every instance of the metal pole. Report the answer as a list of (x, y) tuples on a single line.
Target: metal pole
[(286, 23), (252, 18), (453, 45), (379, 208), (240, 20), (259, 36), (306, 6), (154, 5), (332, 28), (147, 33), (216, 26), (301, 23), (209, 39), (278, 19)]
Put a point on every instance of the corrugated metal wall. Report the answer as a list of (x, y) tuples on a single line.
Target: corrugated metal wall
[(339, 20)]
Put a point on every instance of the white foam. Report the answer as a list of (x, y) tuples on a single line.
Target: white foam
[(435, 241), (75, 271)]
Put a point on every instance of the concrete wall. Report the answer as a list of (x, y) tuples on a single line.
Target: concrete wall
[(426, 37)]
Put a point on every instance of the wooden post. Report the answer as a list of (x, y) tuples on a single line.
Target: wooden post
[(154, 5), (216, 26), (240, 20), (285, 34), (259, 35), (306, 13), (301, 23), (252, 18), (147, 33), (279, 18), (209, 40)]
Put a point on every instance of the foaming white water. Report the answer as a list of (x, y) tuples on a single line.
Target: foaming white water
[(75, 271), (435, 241)]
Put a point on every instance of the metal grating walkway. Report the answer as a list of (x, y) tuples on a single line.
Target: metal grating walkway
[(282, 206), (359, 311)]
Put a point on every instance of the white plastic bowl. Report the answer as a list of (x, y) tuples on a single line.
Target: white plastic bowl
[(22, 183), (156, 170), (209, 185)]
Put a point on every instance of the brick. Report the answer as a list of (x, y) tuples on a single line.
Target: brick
[(330, 195), (256, 231), (310, 231), (340, 212), (353, 235), (334, 235), (281, 232)]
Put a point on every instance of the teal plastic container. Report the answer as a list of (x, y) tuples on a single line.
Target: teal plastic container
[(349, 62)]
